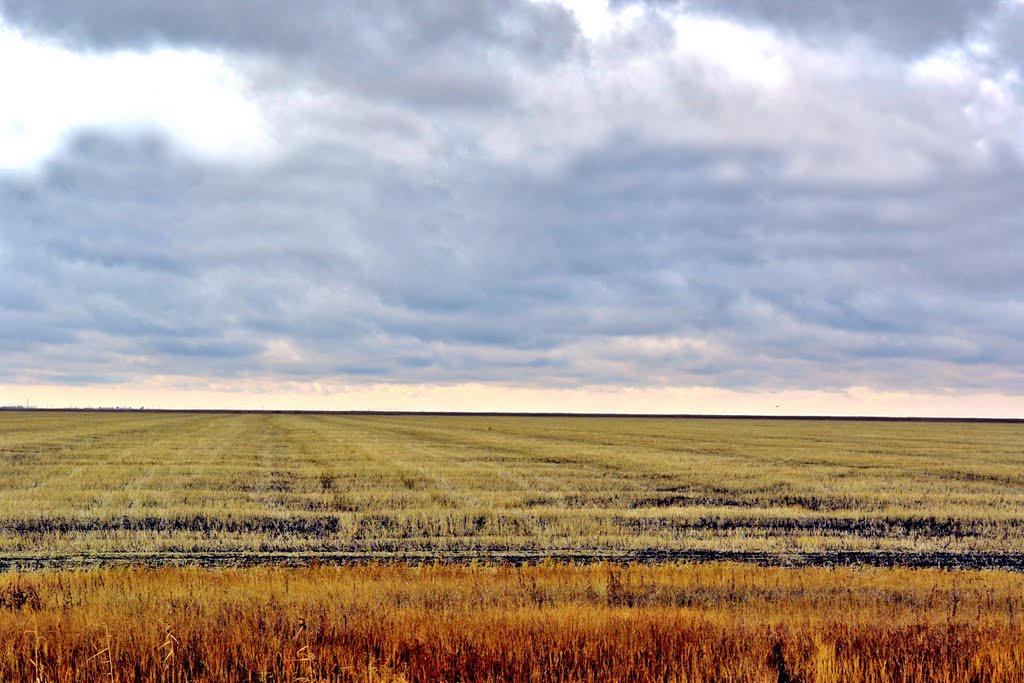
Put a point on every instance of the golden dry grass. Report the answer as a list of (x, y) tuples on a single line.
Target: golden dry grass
[(183, 486), (712, 622)]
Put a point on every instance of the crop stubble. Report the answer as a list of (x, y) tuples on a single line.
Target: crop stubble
[(255, 488)]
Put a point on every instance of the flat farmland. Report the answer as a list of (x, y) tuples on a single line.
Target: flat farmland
[(251, 488), (222, 547)]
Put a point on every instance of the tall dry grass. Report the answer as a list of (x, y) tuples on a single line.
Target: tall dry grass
[(718, 622)]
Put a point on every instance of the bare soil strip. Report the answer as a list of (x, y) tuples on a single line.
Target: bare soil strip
[(1013, 562)]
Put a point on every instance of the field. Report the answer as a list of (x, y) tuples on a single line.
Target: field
[(208, 547), (77, 488), (711, 622)]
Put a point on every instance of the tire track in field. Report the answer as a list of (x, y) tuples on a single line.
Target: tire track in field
[(1013, 562)]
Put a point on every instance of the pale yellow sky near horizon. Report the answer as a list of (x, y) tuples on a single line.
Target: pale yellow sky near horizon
[(250, 395)]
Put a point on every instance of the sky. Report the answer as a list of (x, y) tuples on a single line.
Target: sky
[(738, 206)]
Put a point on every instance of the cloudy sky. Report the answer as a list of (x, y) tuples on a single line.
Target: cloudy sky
[(704, 206)]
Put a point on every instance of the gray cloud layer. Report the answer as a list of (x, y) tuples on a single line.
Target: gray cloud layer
[(481, 193), (906, 26), (423, 54)]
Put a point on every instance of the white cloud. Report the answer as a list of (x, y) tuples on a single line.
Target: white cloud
[(49, 93), (987, 92), (596, 19), (945, 67), (666, 75), (748, 56), (282, 351)]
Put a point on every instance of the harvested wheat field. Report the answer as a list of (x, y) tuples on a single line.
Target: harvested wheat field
[(215, 547), (80, 488)]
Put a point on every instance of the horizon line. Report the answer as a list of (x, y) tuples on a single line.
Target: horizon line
[(493, 413)]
